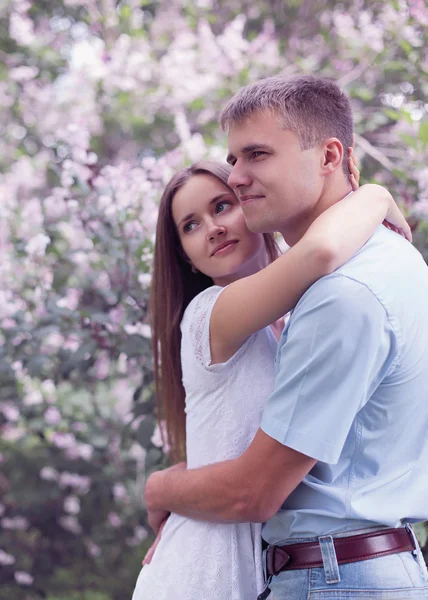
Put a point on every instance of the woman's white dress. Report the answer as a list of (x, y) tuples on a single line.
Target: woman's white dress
[(196, 560)]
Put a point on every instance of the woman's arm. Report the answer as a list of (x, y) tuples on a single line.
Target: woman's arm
[(251, 303)]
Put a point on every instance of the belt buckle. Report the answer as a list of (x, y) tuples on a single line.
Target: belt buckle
[(271, 553)]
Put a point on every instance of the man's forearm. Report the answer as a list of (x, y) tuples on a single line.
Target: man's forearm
[(214, 493)]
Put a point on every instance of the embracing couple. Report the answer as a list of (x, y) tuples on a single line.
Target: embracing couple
[(317, 429)]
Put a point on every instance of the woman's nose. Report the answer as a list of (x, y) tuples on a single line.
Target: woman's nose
[(215, 230)]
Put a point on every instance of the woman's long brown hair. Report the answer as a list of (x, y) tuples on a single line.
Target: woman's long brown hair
[(173, 287)]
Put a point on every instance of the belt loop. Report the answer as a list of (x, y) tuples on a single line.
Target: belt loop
[(268, 578), (329, 559), (417, 552), (410, 531)]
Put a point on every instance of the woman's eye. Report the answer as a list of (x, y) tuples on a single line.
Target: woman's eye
[(189, 226), (222, 206)]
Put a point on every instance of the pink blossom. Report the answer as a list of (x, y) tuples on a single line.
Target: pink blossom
[(23, 73), (140, 534), (8, 323), (93, 549), (120, 493), (15, 523), (36, 247), (138, 329), (48, 390), (23, 578), (6, 559), (63, 440), (10, 411), (71, 524), (72, 505), (158, 434), (79, 427), (49, 474), (84, 451), (114, 520), (21, 29), (52, 416), (11, 433), (81, 483), (102, 366), (138, 453)]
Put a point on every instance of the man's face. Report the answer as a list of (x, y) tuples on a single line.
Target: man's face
[(277, 183)]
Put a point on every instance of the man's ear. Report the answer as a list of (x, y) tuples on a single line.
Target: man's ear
[(332, 156)]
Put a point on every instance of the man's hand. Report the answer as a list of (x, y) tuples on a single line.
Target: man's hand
[(157, 516)]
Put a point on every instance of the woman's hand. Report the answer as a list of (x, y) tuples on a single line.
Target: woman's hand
[(354, 172), (394, 219), (396, 222)]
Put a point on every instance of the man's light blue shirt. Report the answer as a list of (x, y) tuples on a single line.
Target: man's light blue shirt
[(351, 391)]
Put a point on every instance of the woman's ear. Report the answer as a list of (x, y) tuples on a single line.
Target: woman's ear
[(332, 156)]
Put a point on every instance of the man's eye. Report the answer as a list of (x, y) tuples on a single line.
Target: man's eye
[(257, 153)]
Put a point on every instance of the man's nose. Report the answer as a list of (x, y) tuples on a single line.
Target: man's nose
[(238, 177)]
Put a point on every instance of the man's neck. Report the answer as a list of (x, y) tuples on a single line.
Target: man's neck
[(296, 229)]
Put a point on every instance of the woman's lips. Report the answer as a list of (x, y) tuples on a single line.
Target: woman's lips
[(223, 248)]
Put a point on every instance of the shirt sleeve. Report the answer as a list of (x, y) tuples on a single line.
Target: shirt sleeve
[(338, 347)]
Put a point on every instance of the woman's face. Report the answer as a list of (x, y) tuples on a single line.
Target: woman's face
[(213, 232)]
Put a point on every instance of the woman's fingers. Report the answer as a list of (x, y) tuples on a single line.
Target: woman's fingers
[(353, 169), (152, 549), (405, 231)]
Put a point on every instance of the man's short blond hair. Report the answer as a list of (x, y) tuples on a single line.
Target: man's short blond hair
[(314, 108)]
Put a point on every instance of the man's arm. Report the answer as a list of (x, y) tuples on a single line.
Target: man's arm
[(250, 488)]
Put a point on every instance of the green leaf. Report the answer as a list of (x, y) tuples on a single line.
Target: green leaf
[(392, 114), (423, 132)]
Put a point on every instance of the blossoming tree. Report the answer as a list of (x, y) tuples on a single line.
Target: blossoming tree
[(101, 101)]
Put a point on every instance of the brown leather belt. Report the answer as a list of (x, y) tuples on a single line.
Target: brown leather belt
[(348, 549)]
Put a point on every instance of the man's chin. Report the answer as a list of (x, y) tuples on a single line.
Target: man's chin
[(259, 226)]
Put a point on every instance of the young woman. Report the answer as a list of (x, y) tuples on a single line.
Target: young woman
[(218, 292)]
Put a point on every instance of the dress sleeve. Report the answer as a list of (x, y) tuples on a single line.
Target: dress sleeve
[(337, 348), (195, 330), (195, 326)]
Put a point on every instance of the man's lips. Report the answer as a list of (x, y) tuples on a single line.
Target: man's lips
[(249, 198), (222, 247)]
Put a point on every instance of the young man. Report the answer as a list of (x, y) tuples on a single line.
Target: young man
[(337, 467)]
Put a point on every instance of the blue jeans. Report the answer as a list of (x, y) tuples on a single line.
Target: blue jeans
[(400, 576)]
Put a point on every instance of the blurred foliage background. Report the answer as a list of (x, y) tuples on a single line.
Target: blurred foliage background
[(101, 101)]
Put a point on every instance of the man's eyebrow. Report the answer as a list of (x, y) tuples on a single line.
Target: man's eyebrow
[(212, 201), (247, 149)]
